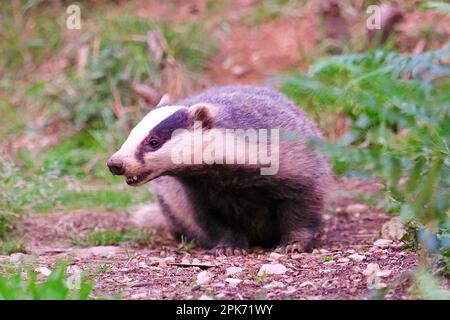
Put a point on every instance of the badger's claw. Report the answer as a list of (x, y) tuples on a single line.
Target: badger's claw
[(290, 248), (228, 251)]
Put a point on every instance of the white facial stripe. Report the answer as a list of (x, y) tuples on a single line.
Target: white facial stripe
[(141, 130)]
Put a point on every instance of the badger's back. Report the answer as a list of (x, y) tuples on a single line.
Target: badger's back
[(252, 107)]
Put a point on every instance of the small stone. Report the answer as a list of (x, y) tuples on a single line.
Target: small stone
[(307, 283), (343, 260), (371, 269), (231, 271), (16, 257), (169, 260), (275, 256), (357, 257), (275, 268), (185, 260), (218, 285), (296, 256), (100, 251), (73, 269), (356, 208), (233, 281), (195, 261), (138, 296), (290, 290), (327, 263), (274, 284), (382, 243), (143, 265), (393, 229), (325, 270), (351, 251), (289, 280), (239, 71), (379, 285), (43, 270), (384, 273), (324, 251), (204, 277), (205, 297)]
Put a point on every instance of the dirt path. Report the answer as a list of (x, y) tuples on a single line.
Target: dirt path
[(337, 269)]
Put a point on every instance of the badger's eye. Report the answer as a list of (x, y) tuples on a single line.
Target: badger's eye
[(153, 143)]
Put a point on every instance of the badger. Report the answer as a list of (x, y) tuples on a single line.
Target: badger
[(231, 206)]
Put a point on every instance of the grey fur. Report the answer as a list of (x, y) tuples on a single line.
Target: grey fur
[(234, 206)]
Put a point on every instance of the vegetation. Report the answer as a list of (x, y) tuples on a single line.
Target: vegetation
[(57, 286), (137, 237), (397, 110)]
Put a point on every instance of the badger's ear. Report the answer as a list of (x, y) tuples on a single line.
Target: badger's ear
[(203, 112), (164, 100)]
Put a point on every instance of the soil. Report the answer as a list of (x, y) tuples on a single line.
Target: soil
[(337, 269)]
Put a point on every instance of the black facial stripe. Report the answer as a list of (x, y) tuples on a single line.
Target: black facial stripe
[(163, 132)]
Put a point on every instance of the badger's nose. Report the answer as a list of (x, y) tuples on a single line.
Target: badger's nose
[(115, 166)]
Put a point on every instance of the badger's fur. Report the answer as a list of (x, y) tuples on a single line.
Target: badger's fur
[(230, 207)]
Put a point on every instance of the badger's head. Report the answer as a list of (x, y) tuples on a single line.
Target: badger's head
[(146, 153)]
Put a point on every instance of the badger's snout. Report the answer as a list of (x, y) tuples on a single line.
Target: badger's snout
[(115, 166)]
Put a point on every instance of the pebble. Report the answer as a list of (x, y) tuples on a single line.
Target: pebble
[(16, 257), (356, 208), (204, 277), (357, 257), (233, 281), (43, 270), (275, 268), (307, 283), (275, 256), (231, 271), (382, 243), (274, 284)]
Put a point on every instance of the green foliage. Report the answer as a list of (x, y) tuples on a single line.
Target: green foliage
[(8, 247), (427, 287), (260, 280), (56, 287), (31, 32), (20, 193), (139, 237), (186, 244), (398, 110), (439, 5), (47, 190)]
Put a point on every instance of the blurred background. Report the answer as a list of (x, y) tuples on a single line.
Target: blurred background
[(70, 93)]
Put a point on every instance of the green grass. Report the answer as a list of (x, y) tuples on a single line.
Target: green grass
[(186, 244), (135, 237), (31, 31), (56, 287)]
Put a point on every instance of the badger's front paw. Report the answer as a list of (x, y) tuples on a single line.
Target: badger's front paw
[(291, 248), (228, 251)]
